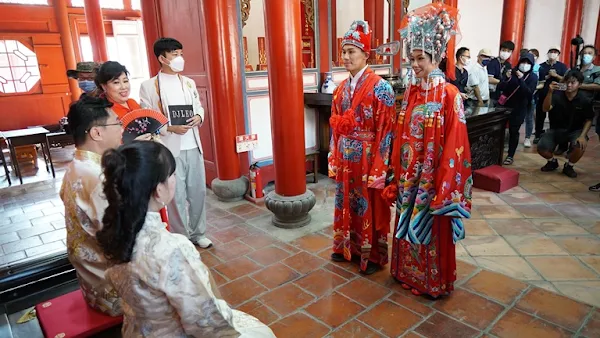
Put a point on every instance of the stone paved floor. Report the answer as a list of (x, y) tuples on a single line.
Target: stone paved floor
[(540, 236)]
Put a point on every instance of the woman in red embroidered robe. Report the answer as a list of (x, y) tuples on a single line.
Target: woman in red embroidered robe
[(362, 119), (431, 164)]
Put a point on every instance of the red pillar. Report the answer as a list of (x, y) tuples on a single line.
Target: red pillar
[(291, 201), (152, 31), (324, 53), (597, 44), (95, 25), (571, 27), (377, 25), (62, 19), (513, 25), (224, 73), (334, 37), (371, 17), (451, 49), (286, 93)]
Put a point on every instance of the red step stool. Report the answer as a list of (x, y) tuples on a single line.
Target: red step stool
[(69, 316), (495, 178)]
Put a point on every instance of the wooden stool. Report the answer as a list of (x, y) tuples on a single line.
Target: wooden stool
[(313, 156)]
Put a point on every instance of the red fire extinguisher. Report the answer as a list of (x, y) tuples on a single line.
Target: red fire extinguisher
[(256, 186)]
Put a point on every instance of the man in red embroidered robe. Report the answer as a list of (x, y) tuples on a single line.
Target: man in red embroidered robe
[(362, 120)]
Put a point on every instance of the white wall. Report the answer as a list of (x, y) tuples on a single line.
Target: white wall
[(480, 22), (544, 25), (346, 12), (590, 21), (414, 4)]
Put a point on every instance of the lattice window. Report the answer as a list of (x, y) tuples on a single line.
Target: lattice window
[(112, 4), (19, 71), (25, 2)]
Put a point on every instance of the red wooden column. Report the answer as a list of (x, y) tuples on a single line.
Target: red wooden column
[(377, 25), (224, 65), (291, 201), (152, 31), (95, 25), (571, 27), (451, 49), (62, 19), (324, 53), (597, 44), (513, 25), (370, 9), (334, 37)]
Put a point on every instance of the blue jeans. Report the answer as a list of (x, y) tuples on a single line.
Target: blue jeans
[(529, 119)]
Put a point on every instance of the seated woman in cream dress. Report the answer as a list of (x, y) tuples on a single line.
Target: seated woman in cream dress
[(164, 286)]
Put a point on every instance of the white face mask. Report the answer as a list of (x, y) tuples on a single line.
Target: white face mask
[(177, 64), (466, 61), (587, 59), (552, 56), (505, 55), (524, 67)]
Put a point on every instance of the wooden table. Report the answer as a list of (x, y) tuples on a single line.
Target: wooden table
[(29, 136), (486, 127)]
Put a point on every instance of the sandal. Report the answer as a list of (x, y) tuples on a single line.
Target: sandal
[(508, 161), (405, 286)]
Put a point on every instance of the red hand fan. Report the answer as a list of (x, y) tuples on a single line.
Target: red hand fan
[(142, 121)]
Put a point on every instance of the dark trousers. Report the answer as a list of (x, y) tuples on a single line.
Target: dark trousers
[(515, 121), (540, 117)]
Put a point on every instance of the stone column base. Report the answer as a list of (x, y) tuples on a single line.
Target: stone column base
[(290, 212), (230, 190)]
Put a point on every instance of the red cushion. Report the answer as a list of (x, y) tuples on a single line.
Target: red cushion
[(70, 316), (495, 178)]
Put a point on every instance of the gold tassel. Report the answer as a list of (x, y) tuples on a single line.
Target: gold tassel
[(31, 314)]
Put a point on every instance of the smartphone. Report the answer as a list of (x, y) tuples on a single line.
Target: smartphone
[(562, 86)]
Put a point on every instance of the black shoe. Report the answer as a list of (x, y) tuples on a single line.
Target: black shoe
[(569, 171), (336, 257), (551, 165), (536, 140), (371, 269), (595, 188)]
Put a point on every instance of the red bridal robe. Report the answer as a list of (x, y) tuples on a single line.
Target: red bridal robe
[(431, 164), (362, 131)]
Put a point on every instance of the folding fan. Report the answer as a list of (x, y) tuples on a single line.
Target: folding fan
[(142, 121)]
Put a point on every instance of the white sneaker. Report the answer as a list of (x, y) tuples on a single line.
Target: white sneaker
[(527, 143), (204, 243)]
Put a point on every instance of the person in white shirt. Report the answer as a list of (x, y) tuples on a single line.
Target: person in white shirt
[(478, 85), (175, 95)]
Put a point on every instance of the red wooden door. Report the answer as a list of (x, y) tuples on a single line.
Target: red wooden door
[(181, 20)]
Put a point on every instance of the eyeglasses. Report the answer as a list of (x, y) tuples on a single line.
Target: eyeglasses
[(118, 123)]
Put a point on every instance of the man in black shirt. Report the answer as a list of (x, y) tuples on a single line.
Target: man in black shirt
[(571, 115), (463, 59), (499, 68)]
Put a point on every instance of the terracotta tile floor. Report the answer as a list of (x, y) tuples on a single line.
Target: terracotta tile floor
[(530, 254)]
